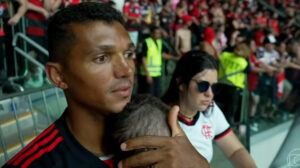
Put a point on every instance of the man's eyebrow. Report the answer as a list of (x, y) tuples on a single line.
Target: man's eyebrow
[(106, 47)]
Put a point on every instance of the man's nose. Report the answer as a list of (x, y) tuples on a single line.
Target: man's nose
[(123, 67)]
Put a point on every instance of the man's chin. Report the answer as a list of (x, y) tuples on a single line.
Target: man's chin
[(118, 107)]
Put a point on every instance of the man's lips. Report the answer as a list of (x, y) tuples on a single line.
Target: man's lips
[(123, 91)]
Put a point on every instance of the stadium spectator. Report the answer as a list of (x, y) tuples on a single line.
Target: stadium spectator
[(150, 60), (209, 43), (233, 69), (79, 138), (5, 20), (192, 88), (183, 37)]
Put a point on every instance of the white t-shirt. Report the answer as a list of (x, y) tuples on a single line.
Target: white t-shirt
[(204, 129), (267, 57)]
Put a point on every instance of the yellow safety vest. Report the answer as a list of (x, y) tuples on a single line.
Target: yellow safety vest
[(232, 68), (154, 57)]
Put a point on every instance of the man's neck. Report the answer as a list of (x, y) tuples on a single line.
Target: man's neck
[(89, 129)]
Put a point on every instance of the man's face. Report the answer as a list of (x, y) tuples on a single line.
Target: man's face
[(156, 34), (269, 47), (99, 69)]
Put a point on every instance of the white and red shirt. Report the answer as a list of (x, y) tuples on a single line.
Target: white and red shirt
[(204, 129)]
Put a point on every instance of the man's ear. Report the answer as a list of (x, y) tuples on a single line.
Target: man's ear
[(54, 73)]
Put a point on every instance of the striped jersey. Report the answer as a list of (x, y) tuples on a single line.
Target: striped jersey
[(56, 147)]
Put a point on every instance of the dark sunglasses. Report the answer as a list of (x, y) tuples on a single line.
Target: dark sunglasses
[(203, 86)]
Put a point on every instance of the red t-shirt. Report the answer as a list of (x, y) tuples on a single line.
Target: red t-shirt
[(280, 87), (274, 24), (253, 77), (258, 38), (262, 20)]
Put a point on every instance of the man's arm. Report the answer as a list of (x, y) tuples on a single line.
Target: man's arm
[(177, 43), (144, 64), (38, 9), (170, 57), (21, 12), (235, 151), (288, 63), (56, 5), (256, 69), (170, 152)]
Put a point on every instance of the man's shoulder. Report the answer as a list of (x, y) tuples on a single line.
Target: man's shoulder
[(55, 147), (42, 145)]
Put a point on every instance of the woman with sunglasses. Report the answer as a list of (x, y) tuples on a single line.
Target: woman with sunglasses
[(192, 87)]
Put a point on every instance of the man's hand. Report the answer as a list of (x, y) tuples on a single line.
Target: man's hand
[(169, 152), (149, 79), (14, 20), (45, 13)]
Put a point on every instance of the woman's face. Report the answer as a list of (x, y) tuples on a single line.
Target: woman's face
[(193, 99)]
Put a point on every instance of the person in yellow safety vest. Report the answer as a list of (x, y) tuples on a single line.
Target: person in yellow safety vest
[(153, 52), (232, 69), (233, 65)]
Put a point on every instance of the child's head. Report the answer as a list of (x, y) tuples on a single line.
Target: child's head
[(145, 115)]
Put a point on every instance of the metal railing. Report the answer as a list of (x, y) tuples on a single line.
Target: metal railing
[(24, 115), (26, 55), (271, 8)]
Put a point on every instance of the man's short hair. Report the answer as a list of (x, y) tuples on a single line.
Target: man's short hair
[(61, 37), (145, 115), (154, 28)]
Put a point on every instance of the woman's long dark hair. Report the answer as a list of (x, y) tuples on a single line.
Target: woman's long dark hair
[(188, 66)]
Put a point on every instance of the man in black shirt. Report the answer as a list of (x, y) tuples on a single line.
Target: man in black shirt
[(91, 59)]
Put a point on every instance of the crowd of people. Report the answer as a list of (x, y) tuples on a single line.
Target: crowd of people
[(246, 38)]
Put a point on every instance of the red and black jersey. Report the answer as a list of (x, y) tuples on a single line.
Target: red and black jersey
[(3, 14), (36, 25), (34, 15), (55, 147)]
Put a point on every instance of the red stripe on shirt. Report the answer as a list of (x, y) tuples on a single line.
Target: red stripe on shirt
[(36, 147), (35, 16), (42, 152), (36, 2), (32, 143), (109, 162), (4, 5), (223, 134), (75, 2), (191, 122), (35, 31), (2, 32)]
